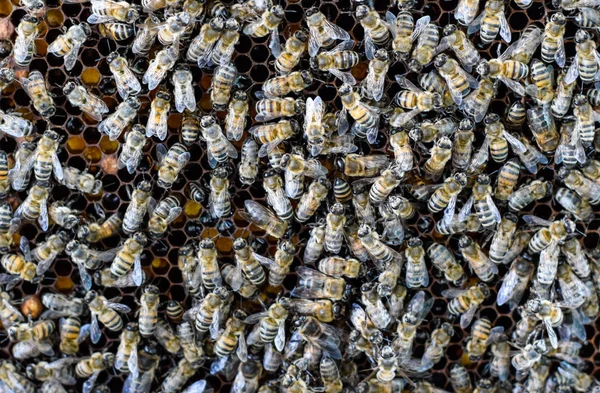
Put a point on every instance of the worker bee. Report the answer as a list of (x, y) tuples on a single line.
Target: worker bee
[(376, 32), (574, 290), (183, 90), (464, 302), (207, 273), (366, 117), (529, 193), (482, 335), (130, 256), (59, 306), (162, 216), (380, 253), (200, 48), (292, 52), (416, 270), (209, 312), (141, 200), (515, 115), (45, 253), (224, 48), (508, 72), (67, 45), (405, 31), (84, 182), (15, 125), (265, 219), (158, 68), (116, 30), (574, 204), (576, 181), (81, 98), (460, 379), (458, 81), (530, 157), (13, 380), (91, 367), (20, 182), (491, 22), (399, 144), (446, 196), (586, 64), (128, 343), (219, 149), (144, 39), (311, 200), (125, 80), (24, 47), (283, 85), (44, 160), (273, 134), (425, 49), (314, 131), (444, 260), (296, 169), (515, 282), (106, 279), (105, 311), (248, 168), (93, 232), (462, 47), (276, 107), (542, 125), (63, 215), (441, 153), (248, 262), (585, 119), (477, 103), (116, 122), (482, 200), (36, 88), (462, 148), (507, 180), (553, 45), (170, 163), (362, 203), (172, 29), (148, 315), (322, 33), (142, 367), (108, 11), (190, 128), (321, 335), (414, 99), (8, 226), (563, 96), (133, 149), (72, 334), (222, 82), (313, 284), (247, 377), (159, 113), (35, 206), (235, 121), (267, 23), (502, 238), (478, 261)]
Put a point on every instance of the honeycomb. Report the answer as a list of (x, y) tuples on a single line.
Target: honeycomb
[(85, 148)]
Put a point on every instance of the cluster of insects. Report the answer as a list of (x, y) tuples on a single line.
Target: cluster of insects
[(392, 219)]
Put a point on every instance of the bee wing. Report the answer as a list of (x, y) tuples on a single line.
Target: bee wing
[(551, 333), (6, 322), (514, 85), (560, 55), (263, 260), (405, 117), (15, 383), (43, 218), (71, 57), (330, 348), (57, 167), (237, 278), (280, 338), (405, 83), (453, 292), (345, 77), (43, 265), (89, 384), (420, 26), (119, 307), (216, 322), (467, 317), (342, 120), (572, 72), (161, 152), (95, 333), (509, 284), (390, 23), (369, 46), (450, 209), (336, 32), (504, 27), (138, 273), (255, 318), (314, 169), (475, 25), (495, 334), (275, 43), (445, 43), (313, 42), (534, 220), (376, 84), (493, 208), (465, 211)]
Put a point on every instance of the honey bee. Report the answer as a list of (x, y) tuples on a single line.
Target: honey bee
[(444, 260), (574, 204), (399, 144), (247, 377), (334, 229), (222, 82), (163, 215), (45, 253), (574, 290), (458, 81), (182, 89), (515, 282), (116, 122), (279, 86), (322, 33), (585, 119), (219, 199), (441, 153), (159, 112), (59, 306), (477, 103), (464, 302), (248, 262), (43, 160), (144, 39), (416, 310), (586, 62), (380, 253), (491, 22), (366, 117), (91, 367), (105, 311), (576, 181), (141, 202), (233, 337), (125, 80), (276, 197), (460, 379), (445, 197), (530, 157), (105, 278), (273, 134), (190, 128), (200, 48), (576, 258), (225, 46), (235, 122), (311, 200), (507, 180), (36, 88), (109, 11), (313, 284), (93, 232), (482, 200), (13, 380), (502, 238), (186, 335), (54, 374), (142, 367), (563, 96), (219, 149), (8, 226), (462, 148), (130, 256), (507, 71), (462, 47), (24, 47), (425, 49), (171, 31), (405, 31), (529, 193), (116, 30), (478, 261), (376, 32), (133, 149), (515, 115), (162, 63), (68, 44), (482, 335), (541, 124), (292, 52), (435, 347), (14, 125), (416, 270), (148, 316), (170, 163), (265, 219), (267, 23), (314, 131), (35, 206), (296, 169), (84, 182), (466, 11), (128, 343), (414, 99), (323, 309), (210, 311), (72, 334), (321, 335), (89, 103)]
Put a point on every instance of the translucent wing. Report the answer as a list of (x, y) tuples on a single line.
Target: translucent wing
[(313, 42), (345, 77), (216, 322), (450, 209), (369, 46), (43, 218), (560, 55), (453, 292), (514, 86), (255, 318), (89, 384), (493, 208), (196, 387), (551, 333), (71, 57), (504, 27), (118, 307), (275, 43), (465, 211), (534, 220), (420, 26), (336, 32), (467, 317), (572, 72), (280, 338), (138, 273), (390, 22), (475, 25), (95, 333)]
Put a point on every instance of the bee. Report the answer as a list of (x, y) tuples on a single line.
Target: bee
[(31, 331), (399, 143), (444, 260), (283, 85), (541, 124), (8, 226), (323, 336), (105, 311), (264, 219), (130, 256), (133, 149), (376, 32), (464, 302), (59, 306), (125, 80), (14, 125), (380, 253), (233, 337), (405, 31), (485, 208), (445, 197), (67, 45), (142, 369), (108, 11), (84, 182), (36, 88), (477, 103), (90, 367), (515, 115), (576, 258), (191, 352), (585, 119), (592, 170), (184, 96), (366, 117), (247, 377), (171, 31), (576, 181), (208, 270), (222, 82), (45, 253), (482, 335), (530, 355), (72, 334), (573, 377), (553, 45), (276, 196), (322, 33), (415, 313), (129, 340), (219, 199), (276, 107), (425, 49), (273, 134), (462, 147), (574, 290), (460, 379), (323, 309), (441, 153), (458, 81), (462, 47), (24, 47), (190, 128), (491, 22), (225, 46), (530, 157), (159, 112), (435, 347), (333, 234), (292, 52), (7, 76), (44, 160), (587, 18), (116, 122), (200, 48), (340, 267), (148, 316), (268, 23), (155, 5), (414, 99), (312, 199), (105, 278), (313, 284), (529, 193), (144, 39), (248, 168), (94, 232), (502, 238), (507, 180), (141, 202), (478, 261), (117, 31), (249, 262), (13, 380), (170, 163), (209, 312), (587, 60), (315, 245), (296, 169), (466, 11), (162, 63), (35, 206), (416, 270), (330, 375), (81, 98), (235, 121), (163, 215), (573, 203), (314, 131)]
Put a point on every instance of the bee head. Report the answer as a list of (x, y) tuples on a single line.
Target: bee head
[(69, 87), (239, 244), (559, 18), (466, 125), (7, 75), (240, 95), (217, 23), (364, 230), (483, 179), (491, 118), (163, 94), (345, 89), (87, 30), (90, 296), (301, 35), (38, 5), (362, 11), (30, 18), (464, 241), (152, 289), (286, 246), (415, 242), (382, 55), (483, 68), (580, 100), (581, 36), (207, 121), (140, 238), (414, 65), (540, 346), (512, 217), (312, 11), (207, 244), (324, 182), (337, 209), (570, 226), (278, 11), (438, 101), (183, 18), (132, 15), (416, 134), (449, 29), (300, 106), (133, 102), (440, 60), (484, 289)]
